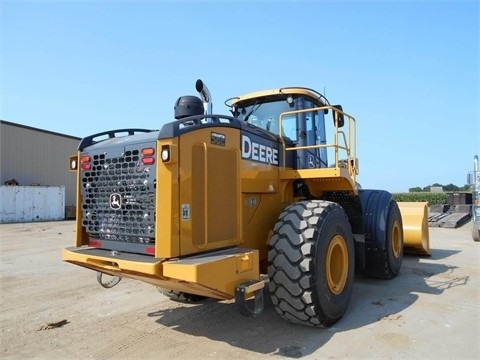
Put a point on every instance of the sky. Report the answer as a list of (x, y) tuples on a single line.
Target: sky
[(408, 71)]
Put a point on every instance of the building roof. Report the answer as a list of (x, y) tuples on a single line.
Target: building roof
[(40, 130)]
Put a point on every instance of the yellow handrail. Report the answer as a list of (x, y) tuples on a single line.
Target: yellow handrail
[(340, 141)]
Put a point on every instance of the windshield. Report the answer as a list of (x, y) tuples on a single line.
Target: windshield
[(266, 115), (304, 129)]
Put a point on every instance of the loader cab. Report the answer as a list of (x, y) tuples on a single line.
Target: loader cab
[(285, 112)]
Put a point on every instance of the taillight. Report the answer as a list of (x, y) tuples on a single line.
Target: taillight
[(150, 250), (148, 161), (94, 243), (148, 152), (85, 162), (148, 158)]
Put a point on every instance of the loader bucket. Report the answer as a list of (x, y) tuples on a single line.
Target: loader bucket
[(415, 227)]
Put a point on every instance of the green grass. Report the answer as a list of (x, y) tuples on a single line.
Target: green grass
[(431, 198)]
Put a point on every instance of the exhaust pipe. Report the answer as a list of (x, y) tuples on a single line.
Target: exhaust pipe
[(205, 95)]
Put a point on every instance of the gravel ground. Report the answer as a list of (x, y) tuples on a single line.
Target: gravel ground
[(54, 310)]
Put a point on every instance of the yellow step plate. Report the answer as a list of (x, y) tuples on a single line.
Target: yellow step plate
[(221, 271)]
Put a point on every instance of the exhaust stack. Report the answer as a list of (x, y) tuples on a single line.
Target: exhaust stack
[(205, 95)]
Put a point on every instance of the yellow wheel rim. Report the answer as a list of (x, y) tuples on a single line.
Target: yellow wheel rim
[(396, 240), (337, 264)]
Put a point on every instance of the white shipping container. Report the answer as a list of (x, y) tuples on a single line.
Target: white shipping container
[(31, 203)]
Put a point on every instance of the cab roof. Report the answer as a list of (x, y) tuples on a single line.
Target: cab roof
[(272, 94)]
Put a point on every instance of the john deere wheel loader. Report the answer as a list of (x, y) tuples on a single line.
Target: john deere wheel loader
[(226, 207)]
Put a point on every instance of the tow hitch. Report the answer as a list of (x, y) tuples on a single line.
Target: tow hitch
[(108, 284), (251, 307)]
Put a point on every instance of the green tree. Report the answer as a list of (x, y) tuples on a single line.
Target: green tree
[(446, 188), (451, 187), (467, 188)]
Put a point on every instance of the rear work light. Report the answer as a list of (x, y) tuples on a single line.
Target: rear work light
[(73, 164), (166, 153)]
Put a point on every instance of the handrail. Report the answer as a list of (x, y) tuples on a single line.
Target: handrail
[(341, 142), (105, 135)]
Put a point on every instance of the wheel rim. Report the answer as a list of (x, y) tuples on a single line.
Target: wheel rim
[(337, 264), (396, 240)]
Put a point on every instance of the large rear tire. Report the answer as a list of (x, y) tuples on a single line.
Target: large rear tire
[(394, 242), (311, 263)]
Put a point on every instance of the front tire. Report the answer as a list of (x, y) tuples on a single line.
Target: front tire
[(311, 263)]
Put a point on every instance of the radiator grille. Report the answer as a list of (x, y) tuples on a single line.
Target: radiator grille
[(118, 199)]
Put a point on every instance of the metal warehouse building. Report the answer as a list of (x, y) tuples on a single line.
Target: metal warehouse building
[(36, 160)]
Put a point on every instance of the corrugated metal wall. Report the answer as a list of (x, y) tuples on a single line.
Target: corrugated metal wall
[(31, 203), (35, 156)]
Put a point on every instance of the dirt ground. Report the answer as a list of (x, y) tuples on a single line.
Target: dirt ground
[(431, 310)]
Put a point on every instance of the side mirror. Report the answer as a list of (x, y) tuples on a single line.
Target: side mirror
[(338, 116)]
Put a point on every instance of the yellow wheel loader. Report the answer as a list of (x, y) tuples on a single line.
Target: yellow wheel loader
[(261, 202)]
